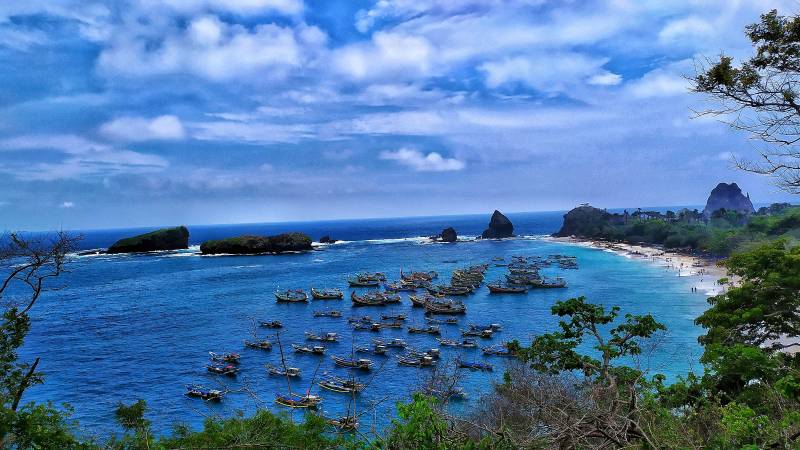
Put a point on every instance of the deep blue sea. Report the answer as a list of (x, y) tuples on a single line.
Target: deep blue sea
[(126, 327)]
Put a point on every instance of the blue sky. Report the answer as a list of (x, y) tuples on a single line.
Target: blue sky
[(157, 112)]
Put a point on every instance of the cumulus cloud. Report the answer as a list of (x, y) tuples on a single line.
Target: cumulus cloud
[(420, 162), (242, 7), (553, 72), (165, 127), (659, 83), (67, 205), (388, 55)]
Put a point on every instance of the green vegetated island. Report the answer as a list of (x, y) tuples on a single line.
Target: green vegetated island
[(727, 224)]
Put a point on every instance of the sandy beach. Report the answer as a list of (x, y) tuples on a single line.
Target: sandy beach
[(702, 273)]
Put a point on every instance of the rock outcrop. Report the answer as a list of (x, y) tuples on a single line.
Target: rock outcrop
[(729, 197), (251, 245), (448, 235), (499, 227), (326, 240), (164, 239), (584, 221)]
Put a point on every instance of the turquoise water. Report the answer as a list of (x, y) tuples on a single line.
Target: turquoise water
[(125, 327)]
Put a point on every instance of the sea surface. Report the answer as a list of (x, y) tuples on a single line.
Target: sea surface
[(128, 327)]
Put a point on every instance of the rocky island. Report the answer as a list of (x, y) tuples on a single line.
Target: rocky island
[(164, 239), (730, 198), (499, 227), (253, 245), (448, 235)]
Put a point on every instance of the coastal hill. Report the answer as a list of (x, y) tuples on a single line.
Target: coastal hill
[(730, 198), (164, 239), (251, 245), (732, 227), (499, 227)]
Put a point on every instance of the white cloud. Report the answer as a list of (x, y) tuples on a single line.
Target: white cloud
[(165, 127), (388, 55), (686, 28), (432, 162), (605, 79), (552, 72), (213, 49), (659, 83), (241, 7), (67, 205)]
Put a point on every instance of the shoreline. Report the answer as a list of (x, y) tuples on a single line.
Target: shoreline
[(704, 273)]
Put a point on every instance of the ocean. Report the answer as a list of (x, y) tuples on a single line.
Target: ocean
[(127, 327)]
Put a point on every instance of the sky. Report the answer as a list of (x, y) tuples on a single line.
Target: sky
[(158, 112)]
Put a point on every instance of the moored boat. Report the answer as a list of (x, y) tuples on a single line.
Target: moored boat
[(445, 307), (361, 363), (332, 314), (209, 395), (396, 317), (293, 372), (326, 294), (223, 369), (231, 358), (261, 345), (369, 299), (415, 360), (342, 385), (499, 288), (433, 329), (271, 324), (291, 296), (395, 343), (473, 365), (324, 337), (314, 350), (298, 401)]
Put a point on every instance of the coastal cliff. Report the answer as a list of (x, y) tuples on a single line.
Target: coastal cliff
[(584, 221), (250, 245), (728, 197), (499, 227), (164, 239)]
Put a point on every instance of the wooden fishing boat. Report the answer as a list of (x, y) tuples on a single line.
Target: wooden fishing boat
[(298, 401), (447, 342), (361, 326), (555, 283), (261, 345), (324, 337), (362, 319), (468, 343), (415, 361), (497, 350), (445, 307), (314, 350), (344, 423), (400, 286), (380, 350), (342, 385), (417, 300), (367, 299), (230, 358), (490, 326), (394, 324), (499, 288), (332, 314), (473, 365), (395, 343), (357, 282), (209, 395), (425, 276), (291, 296), (223, 369), (449, 290), (293, 372), (396, 317), (326, 294), (486, 334), (447, 321), (433, 329), (271, 324), (361, 363), (390, 298)]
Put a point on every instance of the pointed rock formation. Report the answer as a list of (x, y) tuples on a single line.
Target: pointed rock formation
[(730, 197), (499, 227)]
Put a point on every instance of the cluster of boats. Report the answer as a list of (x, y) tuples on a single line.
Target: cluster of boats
[(524, 274)]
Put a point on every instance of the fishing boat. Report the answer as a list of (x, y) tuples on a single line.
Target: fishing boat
[(223, 369), (473, 365), (499, 288), (497, 350), (426, 276), (209, 395), (361, 363), (400, 286), (333, 314), (326, 294), (230, 358), (361, 326), (298, 401), (447, 321), (370, 299), (271, 324), (417, 300), (362, 319), (433, 329), (357, 282), (261, 345), (394, 343), (344, 423), (490, 326), (337, 384), (293, 372), (445, 307), (466, 343), (324, 337), (477, 333), (291, 296), (390, 297), (397, 317), (380, 350), (395, 324), (440, 289), (314, 350), (415, 360), (554, 283)]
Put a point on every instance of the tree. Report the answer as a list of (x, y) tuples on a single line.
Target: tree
[(761, 96), (613, 391), (29, 265)]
